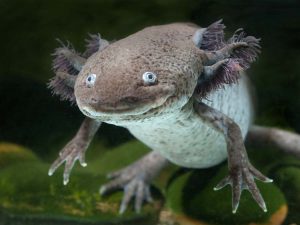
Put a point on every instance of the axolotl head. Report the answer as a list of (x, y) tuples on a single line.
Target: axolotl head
[(152, 72), (137, 77)]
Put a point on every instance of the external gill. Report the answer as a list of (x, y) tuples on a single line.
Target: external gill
[(224, 60), (67, 64), (93, 44), (67, 59)]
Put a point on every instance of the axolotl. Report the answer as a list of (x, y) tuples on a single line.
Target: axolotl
[(178, 88)]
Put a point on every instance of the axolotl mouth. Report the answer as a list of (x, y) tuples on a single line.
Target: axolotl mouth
[(144, 100)]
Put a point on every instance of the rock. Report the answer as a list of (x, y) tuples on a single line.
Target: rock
[(13, 153)]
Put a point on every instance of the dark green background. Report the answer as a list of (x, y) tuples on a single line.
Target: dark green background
[(31, 117)]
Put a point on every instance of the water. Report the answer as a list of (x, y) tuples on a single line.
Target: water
[(32, 118)]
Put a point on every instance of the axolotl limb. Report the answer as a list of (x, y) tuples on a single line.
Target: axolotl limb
[(179, 89)]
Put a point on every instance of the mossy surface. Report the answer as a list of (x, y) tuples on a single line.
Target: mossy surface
[(116, 158), (192, 194), (104, 160), (288, 180), (284, 169), (30, 196)]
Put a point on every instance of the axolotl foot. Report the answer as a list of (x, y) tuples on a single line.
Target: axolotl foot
[(132, 180), (135, 180), (242, 178), (73, 151)]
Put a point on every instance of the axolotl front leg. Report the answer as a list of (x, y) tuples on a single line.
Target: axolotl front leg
[(241, 171), (76, 148), (135, 179), (223, 65)]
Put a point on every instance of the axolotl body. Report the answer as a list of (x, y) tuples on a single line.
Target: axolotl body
[(178, 88)]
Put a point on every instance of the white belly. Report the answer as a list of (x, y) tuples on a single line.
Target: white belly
[(184, 139)]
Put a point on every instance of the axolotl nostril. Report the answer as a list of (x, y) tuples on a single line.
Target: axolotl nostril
[(178, 88)]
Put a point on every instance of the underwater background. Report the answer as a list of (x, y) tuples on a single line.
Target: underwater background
[(35, 126)]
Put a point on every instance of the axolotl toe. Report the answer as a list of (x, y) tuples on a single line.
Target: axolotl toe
[(178, 88)]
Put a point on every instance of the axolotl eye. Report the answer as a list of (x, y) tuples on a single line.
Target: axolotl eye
[(90, 80), (149, 78)]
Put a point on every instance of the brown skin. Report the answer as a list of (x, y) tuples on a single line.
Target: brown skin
[(186, 67), (119, 87)]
